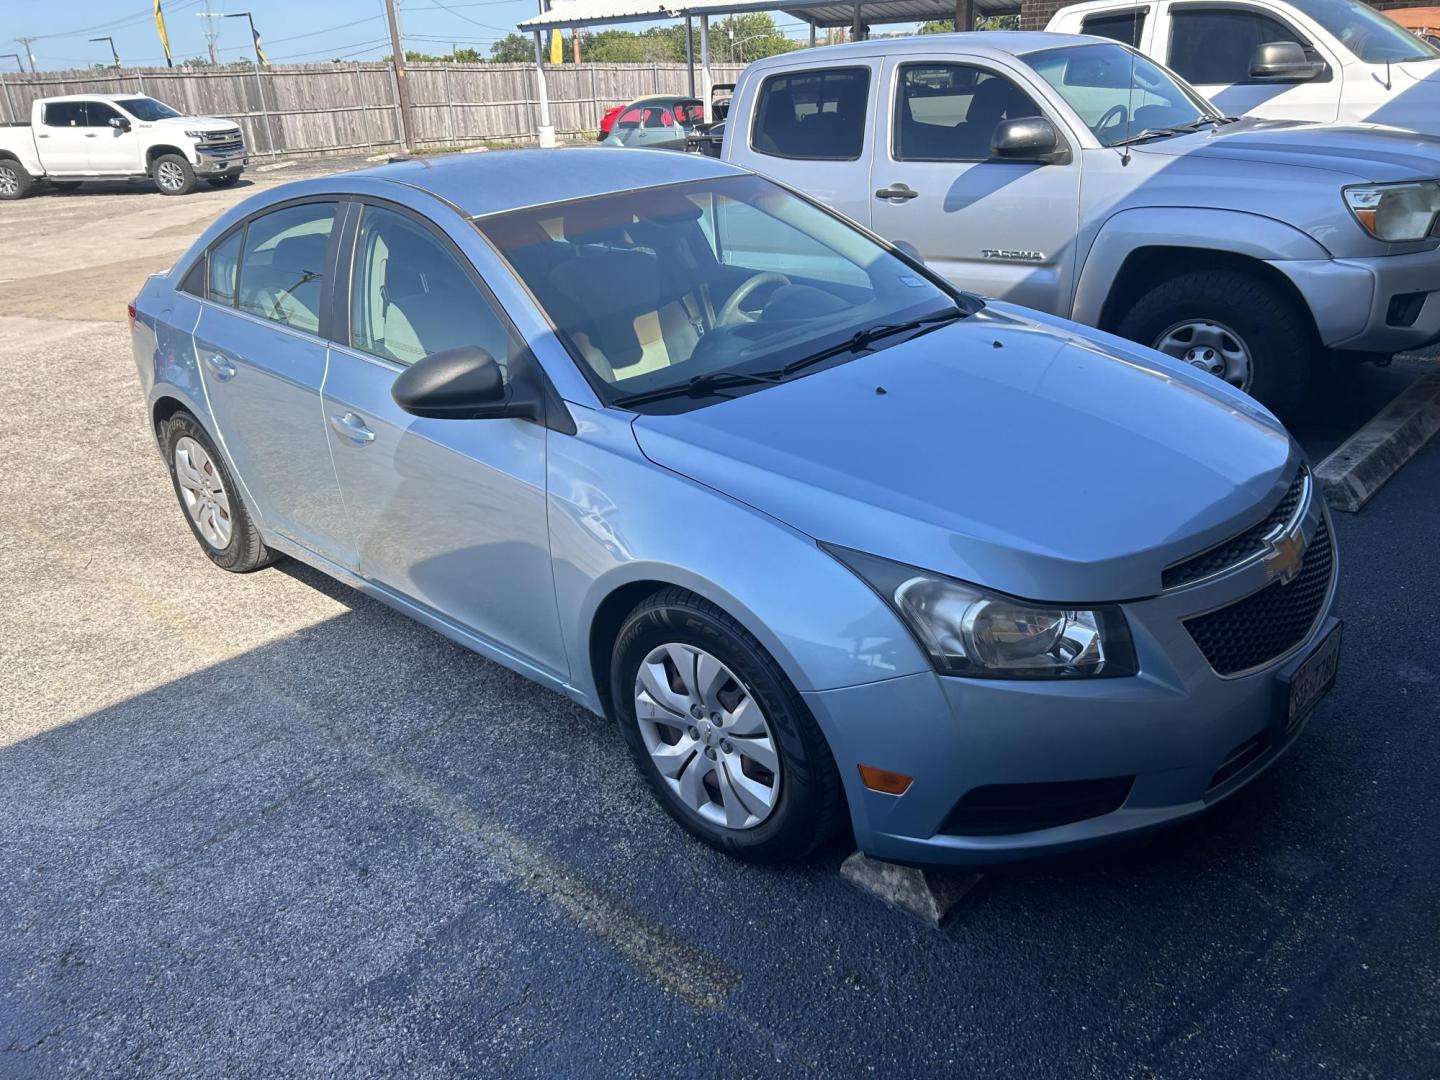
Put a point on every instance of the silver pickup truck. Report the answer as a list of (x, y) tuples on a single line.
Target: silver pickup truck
[(1076, 176)]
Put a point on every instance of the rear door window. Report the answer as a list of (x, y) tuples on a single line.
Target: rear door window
[(283, 265), (64, 114), (813, 115)]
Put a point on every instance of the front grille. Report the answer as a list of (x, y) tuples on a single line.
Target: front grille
[(222, 140), (1003, 809), (1238, 548), (1267, 624)]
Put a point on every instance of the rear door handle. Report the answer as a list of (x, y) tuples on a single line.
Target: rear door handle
[(223, 369), (353, 428), (896, 191)]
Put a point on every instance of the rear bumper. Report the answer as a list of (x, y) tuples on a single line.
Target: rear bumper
[(1381, 305)]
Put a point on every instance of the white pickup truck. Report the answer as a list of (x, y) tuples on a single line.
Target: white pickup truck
[(1326, 60), (117, 137)]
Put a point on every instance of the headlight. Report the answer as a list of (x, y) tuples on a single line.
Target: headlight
[(1396, 212), (971, 631)]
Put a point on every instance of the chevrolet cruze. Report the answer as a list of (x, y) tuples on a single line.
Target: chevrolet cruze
[(824, 536)]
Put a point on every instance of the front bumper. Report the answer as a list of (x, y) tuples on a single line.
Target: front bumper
[(1382, 305), (1178, 737), (217, 162)]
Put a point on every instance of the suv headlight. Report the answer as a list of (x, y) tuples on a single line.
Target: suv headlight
[(974, 632), (1396, 212)]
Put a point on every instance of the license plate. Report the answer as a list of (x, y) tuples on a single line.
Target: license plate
[(1313, 679)]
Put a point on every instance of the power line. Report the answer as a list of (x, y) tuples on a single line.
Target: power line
[(466, 18)]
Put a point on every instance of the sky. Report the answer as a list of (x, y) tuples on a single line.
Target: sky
[(297, 31)]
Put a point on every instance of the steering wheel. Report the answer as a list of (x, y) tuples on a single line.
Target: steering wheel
[(731, 314), (1119, 112)]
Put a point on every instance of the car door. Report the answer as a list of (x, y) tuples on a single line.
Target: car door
[(62, 139), (110, 149), (261, 351), (999, 228), (1211, 46), (449, 514), (810, 128)]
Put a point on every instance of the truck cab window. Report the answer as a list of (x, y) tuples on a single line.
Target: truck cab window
[(949, 112), (1211, 46), (1126, 27), (64, 114), (98, 114), (814, 115)]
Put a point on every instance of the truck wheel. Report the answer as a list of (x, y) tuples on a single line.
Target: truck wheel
[(173, 175), (15, 182), (223, 181), (1234, 325)]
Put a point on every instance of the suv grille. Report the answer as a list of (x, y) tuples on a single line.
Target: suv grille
[(1267, 624), (1238, 548)]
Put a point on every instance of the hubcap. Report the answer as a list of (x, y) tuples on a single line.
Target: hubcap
[(9, 182), (707, 736), (170, 176), (202, 492), (1210, 346)]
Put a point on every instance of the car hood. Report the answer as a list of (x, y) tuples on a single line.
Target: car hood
[(1362, 151), (195, 123), (1050, 463)]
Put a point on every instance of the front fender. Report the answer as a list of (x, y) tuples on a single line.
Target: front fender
[(1233, 231), (617, 518)]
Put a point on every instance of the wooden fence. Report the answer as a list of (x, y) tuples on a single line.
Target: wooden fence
[(307, 109)]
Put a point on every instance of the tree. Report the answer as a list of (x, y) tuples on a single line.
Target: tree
[(985, 22), (513, 48)]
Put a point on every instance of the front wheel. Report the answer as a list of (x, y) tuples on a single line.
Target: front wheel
[(1238, 327), (15, 182), (726, 743), (173, 175)]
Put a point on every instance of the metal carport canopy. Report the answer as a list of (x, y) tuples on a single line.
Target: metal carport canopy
[(857, 13)]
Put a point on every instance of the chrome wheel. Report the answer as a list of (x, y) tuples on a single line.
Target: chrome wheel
[(1210, 346), (9, 181), (202, 492), (707, 736), (170, 176)]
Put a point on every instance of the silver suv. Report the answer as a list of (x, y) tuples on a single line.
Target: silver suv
[(1076, 176)]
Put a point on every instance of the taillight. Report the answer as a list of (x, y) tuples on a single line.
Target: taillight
[(130, 310)]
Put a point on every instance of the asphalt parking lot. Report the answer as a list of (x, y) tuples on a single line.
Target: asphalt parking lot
[(263, 825)]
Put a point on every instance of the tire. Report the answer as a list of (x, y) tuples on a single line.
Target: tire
[(172, 175), (15, 182), (1275, 331), (224, 181), (66, 185), (237, 549), (807, 801)]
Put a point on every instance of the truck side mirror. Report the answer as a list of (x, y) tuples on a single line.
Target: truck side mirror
[(119, 123), (1032, 139), (1283, 61)]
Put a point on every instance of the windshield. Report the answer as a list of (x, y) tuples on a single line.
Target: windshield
[(1119, 93), (147, 108), (707, 283), (1371, 36)]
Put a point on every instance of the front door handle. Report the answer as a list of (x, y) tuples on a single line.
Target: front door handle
[(896, 191), (353, 428), (223, 369), (90, 134)]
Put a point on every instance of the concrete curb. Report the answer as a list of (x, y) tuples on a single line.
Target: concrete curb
[(928, 895), (1359, 467), (274, 166)]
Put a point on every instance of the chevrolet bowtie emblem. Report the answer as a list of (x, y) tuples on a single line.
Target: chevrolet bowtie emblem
[(1286, 555)]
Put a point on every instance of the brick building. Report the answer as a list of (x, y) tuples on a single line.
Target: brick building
[(1034, 14)]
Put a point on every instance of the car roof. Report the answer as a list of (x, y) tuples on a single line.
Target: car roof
[(93, 97), (984, 43), (662, 99), (502, 180)]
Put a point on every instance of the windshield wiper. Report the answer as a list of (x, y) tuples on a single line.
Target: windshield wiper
[(863, 339), (699, 386), (1178, 129)]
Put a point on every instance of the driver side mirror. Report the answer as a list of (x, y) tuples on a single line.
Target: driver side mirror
[(464, 384), (1031, 139), (119, 123), (1284, 61)]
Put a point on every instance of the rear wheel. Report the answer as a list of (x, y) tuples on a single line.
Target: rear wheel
[(15, 182), (213, 507), (1234, 325), (173, 175), (726, 743)]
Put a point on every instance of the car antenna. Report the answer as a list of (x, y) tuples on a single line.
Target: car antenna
[(1130, 105)]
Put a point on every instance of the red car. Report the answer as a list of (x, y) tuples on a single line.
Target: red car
[(664, 110)]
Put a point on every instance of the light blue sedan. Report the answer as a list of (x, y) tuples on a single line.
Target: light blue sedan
[(826, 537)]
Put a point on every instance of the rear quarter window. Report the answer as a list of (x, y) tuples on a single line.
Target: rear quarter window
[(815, 115)]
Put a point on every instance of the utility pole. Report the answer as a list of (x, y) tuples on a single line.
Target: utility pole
[(25, 41), (260, 63), (10, 105), (212, 32), (113, 53), (964, 15), (402, 88)]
